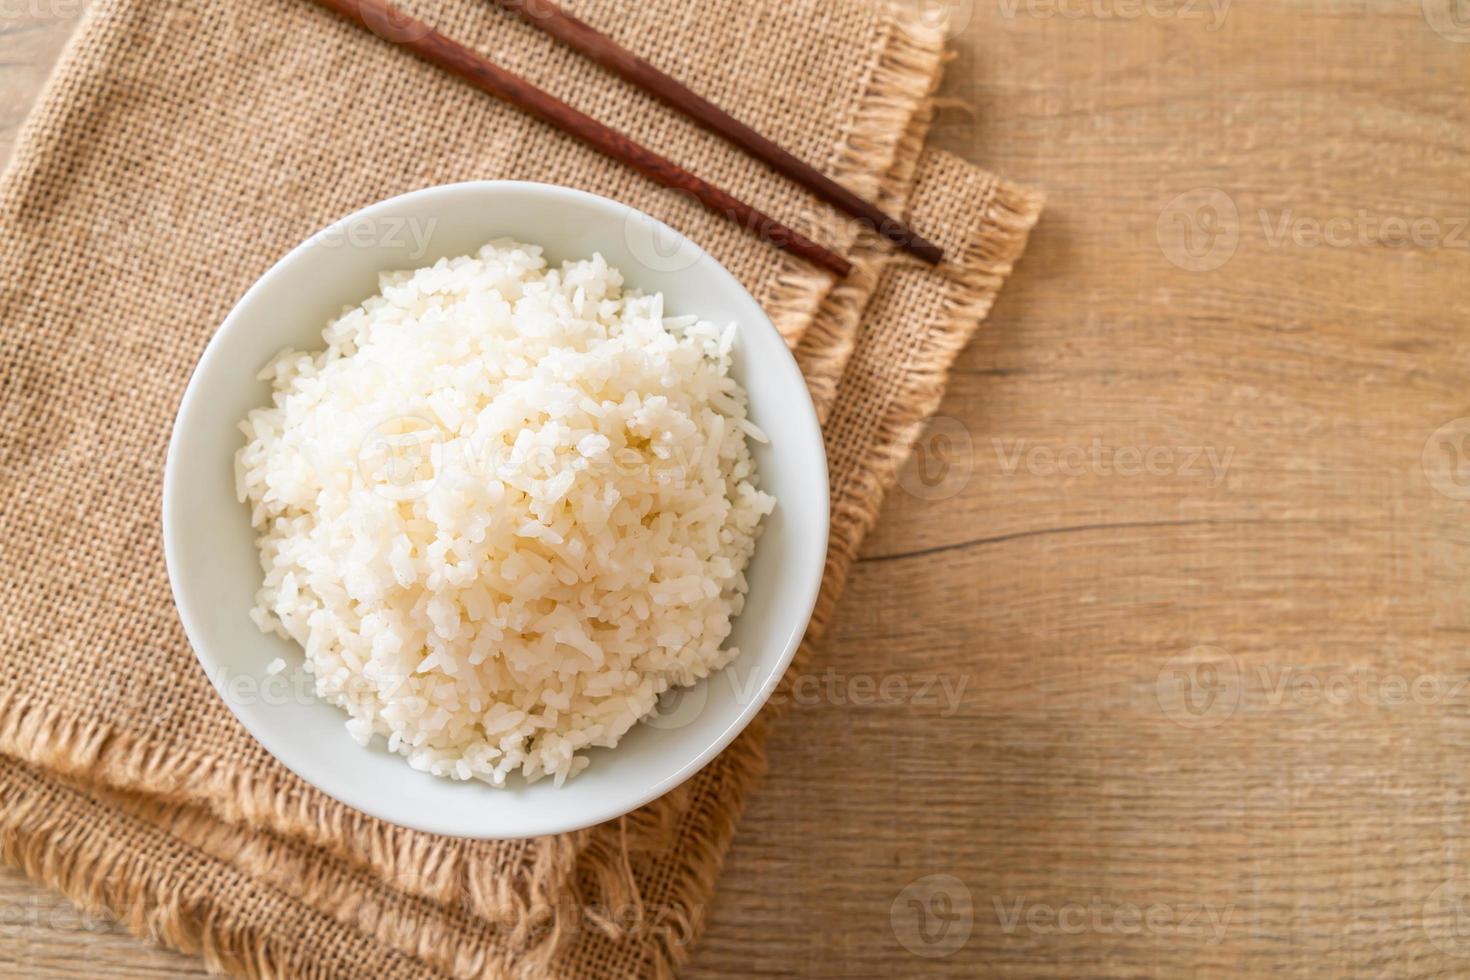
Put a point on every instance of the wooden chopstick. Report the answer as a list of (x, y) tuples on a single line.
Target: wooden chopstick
[(578, 35), (395, 25)]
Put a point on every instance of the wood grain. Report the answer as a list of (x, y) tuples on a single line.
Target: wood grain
[(1200, 604)]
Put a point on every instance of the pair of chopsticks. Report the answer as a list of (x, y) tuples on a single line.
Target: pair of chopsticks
[(399, 27)]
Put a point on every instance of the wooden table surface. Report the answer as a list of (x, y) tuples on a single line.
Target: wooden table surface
[(1172, 608)]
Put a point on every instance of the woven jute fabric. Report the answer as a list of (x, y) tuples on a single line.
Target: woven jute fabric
[(180, 149)]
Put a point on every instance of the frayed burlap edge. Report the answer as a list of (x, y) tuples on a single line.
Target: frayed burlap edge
[(93, 853), (905, 73), (93, 751), (825, 347)]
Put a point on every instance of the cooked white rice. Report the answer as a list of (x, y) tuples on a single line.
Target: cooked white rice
[(504, 510)]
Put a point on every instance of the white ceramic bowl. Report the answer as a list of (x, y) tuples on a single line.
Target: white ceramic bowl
[(215, 571)]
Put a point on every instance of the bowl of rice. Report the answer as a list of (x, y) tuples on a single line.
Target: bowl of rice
[(496, 509)]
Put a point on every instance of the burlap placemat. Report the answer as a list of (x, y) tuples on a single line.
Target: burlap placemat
[(181, 148)]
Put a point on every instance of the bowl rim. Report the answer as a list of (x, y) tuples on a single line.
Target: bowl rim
[(557, 821)]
